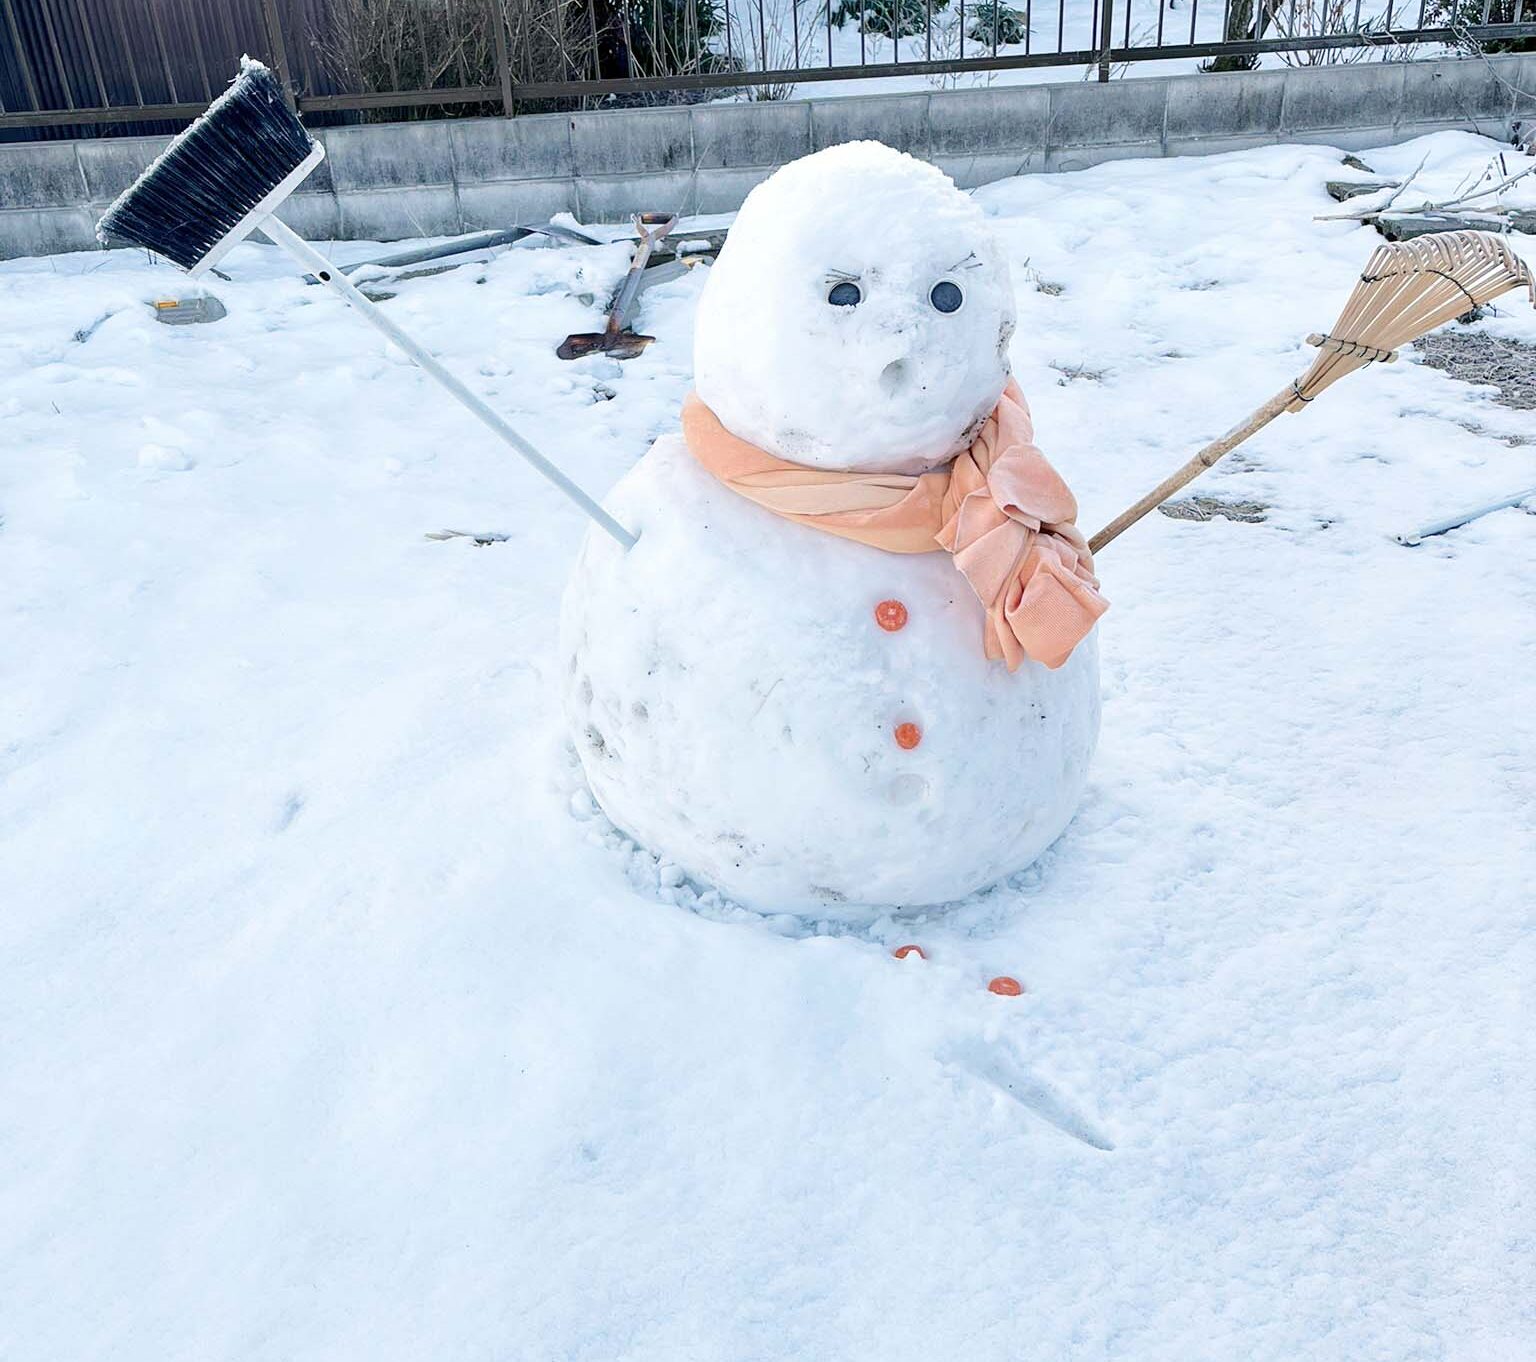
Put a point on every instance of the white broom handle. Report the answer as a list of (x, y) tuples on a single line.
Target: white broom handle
[(327, 273)]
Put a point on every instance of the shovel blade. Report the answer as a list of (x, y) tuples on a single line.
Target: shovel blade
[(624, 345)]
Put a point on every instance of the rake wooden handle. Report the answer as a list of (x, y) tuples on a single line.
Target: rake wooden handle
[(1189, 472), (1407, 289)]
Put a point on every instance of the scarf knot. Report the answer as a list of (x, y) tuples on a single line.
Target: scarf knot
[(999, 508)]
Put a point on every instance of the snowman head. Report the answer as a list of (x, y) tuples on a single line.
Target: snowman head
[(858, 317)]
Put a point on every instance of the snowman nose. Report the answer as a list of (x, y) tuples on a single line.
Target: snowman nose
[(893, 378)]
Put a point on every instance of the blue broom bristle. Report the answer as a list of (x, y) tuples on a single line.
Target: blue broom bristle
[(211, 176)]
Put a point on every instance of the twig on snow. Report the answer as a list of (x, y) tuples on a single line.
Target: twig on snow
[(1443, 206)]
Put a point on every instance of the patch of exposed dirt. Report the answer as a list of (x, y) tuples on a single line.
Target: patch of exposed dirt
[(1042, 285), (1476, 357), (1212, 508), (1074, 372)]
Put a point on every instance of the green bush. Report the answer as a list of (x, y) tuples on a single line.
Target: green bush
[(994, 16), (888, 18)]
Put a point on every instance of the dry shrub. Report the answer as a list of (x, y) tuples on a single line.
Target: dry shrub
[(382, 45), (1325, 19)]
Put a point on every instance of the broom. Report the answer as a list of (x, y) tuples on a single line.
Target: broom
[(225, 177), (1408, 289)]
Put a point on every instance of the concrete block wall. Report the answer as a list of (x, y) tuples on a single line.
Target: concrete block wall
[(389, 181)]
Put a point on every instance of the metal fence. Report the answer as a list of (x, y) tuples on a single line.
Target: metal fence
[(89, 67)]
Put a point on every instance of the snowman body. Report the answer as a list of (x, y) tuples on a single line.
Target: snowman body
[(804, 722), (735, 700)]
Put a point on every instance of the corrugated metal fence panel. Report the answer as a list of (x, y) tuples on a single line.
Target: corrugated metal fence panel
[(64, 55)]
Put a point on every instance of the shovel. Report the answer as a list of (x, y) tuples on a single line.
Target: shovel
[(618, 340)]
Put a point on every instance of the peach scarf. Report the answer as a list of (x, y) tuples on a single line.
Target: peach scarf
[(999, 508)]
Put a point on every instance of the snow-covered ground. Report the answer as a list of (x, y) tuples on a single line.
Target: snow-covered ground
[(336, 1026)]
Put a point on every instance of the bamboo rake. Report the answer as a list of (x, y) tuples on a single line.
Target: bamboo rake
[(1407, 290)]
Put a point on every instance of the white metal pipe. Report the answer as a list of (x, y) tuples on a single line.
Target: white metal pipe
[(1463, 518), (327, 273)]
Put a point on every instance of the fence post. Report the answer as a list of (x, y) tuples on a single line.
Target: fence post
[(503, 61), (279, 49), (1106, 35)]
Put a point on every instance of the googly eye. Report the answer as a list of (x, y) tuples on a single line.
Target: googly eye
[(946, 296), (845, 294)]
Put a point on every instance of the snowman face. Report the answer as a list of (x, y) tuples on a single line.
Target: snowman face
[(858, 317)]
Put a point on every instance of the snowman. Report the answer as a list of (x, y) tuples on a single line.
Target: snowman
[(849, 662)]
